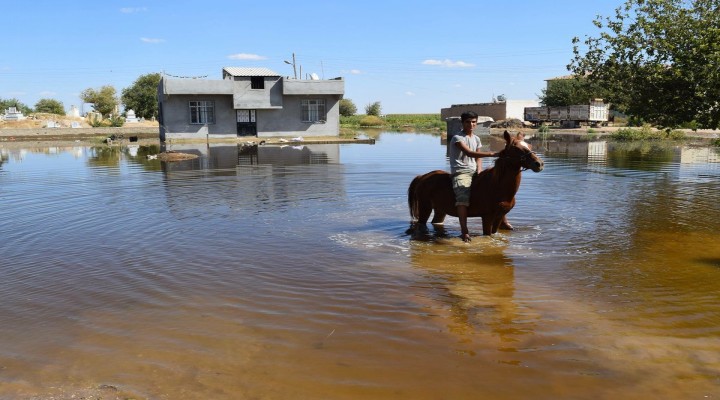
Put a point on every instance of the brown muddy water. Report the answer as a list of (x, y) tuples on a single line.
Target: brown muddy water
[(286, 273)]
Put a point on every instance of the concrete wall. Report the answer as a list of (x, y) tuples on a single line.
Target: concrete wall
[(313, 87), (249, 99), (176, 124), (287, 121), (497, 111), (516, 108)]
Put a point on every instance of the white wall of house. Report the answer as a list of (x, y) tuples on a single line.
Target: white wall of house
[(516, 108)]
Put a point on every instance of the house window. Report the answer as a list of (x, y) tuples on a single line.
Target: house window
[(202, 112), (313, 110), (257, 82)]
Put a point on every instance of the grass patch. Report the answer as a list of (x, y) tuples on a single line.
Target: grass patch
[(396, 121), (646, 132)]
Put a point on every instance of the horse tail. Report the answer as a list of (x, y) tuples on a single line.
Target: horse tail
[(412, 197)]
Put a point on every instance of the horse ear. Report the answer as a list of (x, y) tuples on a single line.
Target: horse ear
[(507, 136)]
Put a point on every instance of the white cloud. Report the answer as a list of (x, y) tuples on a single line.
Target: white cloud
[(355, 71), (130, 10), (47, 93), (410, 93), (152, 40), (245, 56), (448, 63)]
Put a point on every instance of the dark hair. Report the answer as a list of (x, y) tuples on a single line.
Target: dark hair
[(468, 115)]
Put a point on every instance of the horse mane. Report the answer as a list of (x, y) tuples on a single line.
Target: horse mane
[(501, 163)]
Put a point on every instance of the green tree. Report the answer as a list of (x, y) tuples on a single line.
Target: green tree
[(104, 100), (347, 108), (373, 109), (658, 59), (20, 106), (51, 106), (141, 97), (566, 92)]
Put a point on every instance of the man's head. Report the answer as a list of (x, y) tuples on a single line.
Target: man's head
[(469, 122), (468, 115)]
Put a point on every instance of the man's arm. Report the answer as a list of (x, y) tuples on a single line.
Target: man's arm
[(474, 154)]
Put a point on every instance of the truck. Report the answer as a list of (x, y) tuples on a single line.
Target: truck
[(595, 113)]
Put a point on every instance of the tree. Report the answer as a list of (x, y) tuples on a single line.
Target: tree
[(51, 106), (141, 97), (566, 92), (658, 59), (347, 108), (20, 106), (373, 109), (103, 100)]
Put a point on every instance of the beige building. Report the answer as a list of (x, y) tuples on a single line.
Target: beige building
[(499, 110)]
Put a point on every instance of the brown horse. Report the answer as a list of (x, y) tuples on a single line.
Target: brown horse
[(492, 194)]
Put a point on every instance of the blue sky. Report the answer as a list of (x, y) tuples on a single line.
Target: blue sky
[(412, 57)]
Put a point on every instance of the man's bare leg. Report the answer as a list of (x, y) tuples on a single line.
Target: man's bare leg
[(462, 216)]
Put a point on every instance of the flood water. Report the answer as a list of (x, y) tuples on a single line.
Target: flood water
[(286, 273)]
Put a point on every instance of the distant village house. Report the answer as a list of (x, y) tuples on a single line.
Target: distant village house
[(498, 110), (253, 102)]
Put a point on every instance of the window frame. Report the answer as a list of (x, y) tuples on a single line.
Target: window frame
[(313, 110), (202, 112)]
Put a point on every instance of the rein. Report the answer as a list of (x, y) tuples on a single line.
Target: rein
[(522, 159)]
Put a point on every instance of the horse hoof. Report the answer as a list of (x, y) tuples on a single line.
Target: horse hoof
[(466, 237), (507, 226)]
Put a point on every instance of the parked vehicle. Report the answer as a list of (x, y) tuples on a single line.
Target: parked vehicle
[(595, 113)]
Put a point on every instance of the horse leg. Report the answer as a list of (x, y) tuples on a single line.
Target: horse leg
[(496, 222), (438, 218), (424, 211), (487, 223)]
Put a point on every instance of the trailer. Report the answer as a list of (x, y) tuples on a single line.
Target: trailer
[(595, 113)]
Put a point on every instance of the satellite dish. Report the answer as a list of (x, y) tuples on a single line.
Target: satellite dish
[(314, 77)]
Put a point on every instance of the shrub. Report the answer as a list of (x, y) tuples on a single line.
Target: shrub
[(716, 142), (371, 120), (116, 121), (675, 134), (347, 108), (373, 109), (646, 132), (95, 120)]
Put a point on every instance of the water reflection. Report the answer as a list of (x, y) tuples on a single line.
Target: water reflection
[(257, 178), (476, 285)]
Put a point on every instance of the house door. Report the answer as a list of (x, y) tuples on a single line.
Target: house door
[(246, 123)]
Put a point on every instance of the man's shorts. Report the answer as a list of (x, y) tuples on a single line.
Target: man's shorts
[(461, 186)]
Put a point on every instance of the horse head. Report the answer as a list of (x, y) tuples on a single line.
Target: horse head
[(516, 150)]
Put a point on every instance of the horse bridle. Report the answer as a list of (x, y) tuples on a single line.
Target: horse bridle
[(522, 159)]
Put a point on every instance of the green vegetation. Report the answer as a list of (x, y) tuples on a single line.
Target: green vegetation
[(657, 60), (371, 120), (373, 109), (347, 108), (395, 121), (141, 97), (646, 132), (103, 100), (716, 142), (566, 92), (50, 106), (5, 104)]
